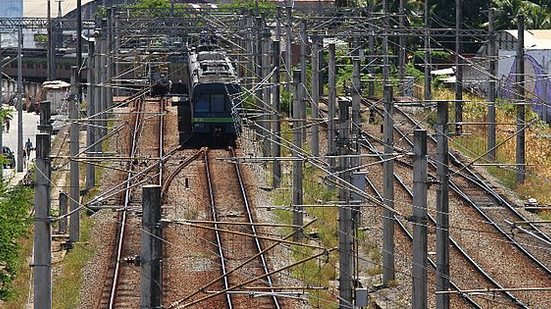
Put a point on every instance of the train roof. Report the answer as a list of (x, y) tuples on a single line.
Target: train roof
[(210, 67)]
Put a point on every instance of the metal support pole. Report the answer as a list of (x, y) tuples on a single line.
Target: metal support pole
[(388, 189), (521, 107), (261, 129), (151, 253), (42, 264), (442, 209), (419, 220), (427, 60), (458, 68), (276, 151), (20, 100), (74, 190), (109, 57), (345, 209), (62, 227), (90, 130), (297, 164), (491, 144), (331, 106), (315, 95)]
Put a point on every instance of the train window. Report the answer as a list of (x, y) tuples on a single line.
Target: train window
[(217, 103), (30, 65), (202, 103)]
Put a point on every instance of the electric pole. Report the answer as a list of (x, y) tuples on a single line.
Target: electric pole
[(521, 101)]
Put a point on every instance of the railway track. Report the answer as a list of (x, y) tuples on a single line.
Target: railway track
[(494, 214), (228, 205), (458, 255), (121, 289)]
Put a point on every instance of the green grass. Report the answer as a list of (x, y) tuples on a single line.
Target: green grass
[(66, 289), (21, 282), (316, 272)]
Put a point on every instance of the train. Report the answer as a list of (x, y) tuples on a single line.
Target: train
[(207, 116)]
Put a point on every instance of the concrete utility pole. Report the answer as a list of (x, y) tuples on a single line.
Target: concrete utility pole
[(20, 100), (331, 107), (388, 189), (298, 219), (419, 218), (458, 68), (521, 101), (62, 225), (315, 95), (266, 53), (109, 57), (42, 264), (90, 129), (288, 42), (356, 103), (98, 92), (372, 52), (261, 128), (442, 209), (276, 151), (428, 61), (151, 253), (49, 61), (491, 144), (386, 66), (45, 115), (303, 42), (345, 209), (402, 46), (74, 189)]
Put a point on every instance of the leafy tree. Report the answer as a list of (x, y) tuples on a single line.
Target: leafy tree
[(15, 204), (537, 13)]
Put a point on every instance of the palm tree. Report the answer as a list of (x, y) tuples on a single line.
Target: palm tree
[(536, 13)]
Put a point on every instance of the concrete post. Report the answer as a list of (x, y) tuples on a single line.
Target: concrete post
[(20, 100), (98, 90), (345, 209), (491, 144), (458, 68), (266, 53), (442, 209), (42, 244), (74, 189), (62, 227), (356, 106), (288, 42), (427, 60), (419, 218), (402, 46), (45, 111), (315, 96), (372, 52), (297, 164), (303, 45), (151, 253), (388, 188), (521, 101), (331, 106), (90, 129), (276, 151)]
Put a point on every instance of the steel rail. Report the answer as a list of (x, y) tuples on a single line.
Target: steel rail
[(253, 228), (214, 215), (122, 226), (454, 243), (403, 228), (457, 189), (476, 180)]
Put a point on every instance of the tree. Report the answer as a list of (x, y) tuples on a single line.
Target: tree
[(537, 14)]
